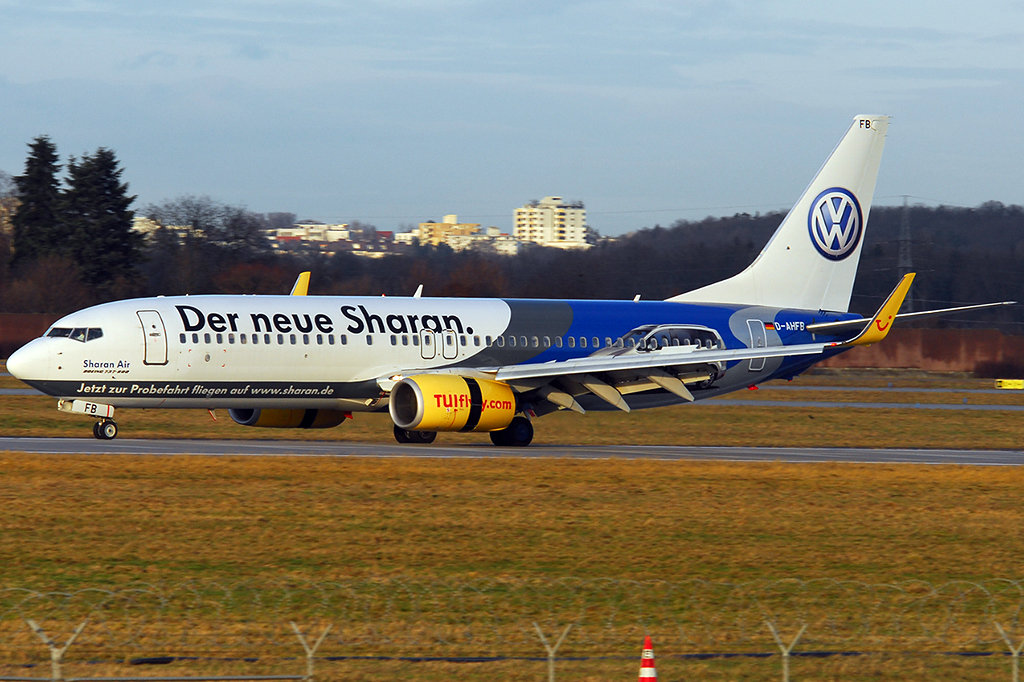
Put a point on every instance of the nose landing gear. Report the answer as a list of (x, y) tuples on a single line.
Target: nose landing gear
[(105, 429)]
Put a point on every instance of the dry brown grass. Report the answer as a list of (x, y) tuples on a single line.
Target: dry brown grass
[(934, 668), (99, 519)]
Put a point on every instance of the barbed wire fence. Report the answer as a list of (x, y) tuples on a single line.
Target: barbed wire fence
[(501, 619)]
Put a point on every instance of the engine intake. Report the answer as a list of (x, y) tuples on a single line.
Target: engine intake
[(289, 419), (447, 402)]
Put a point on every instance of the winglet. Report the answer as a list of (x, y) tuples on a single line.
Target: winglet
[(881, 323), (301, 285)]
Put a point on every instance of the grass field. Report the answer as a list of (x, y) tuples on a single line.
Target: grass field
[(74, 521), (681, 425)]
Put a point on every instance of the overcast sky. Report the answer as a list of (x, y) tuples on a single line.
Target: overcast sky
[(396, 112)]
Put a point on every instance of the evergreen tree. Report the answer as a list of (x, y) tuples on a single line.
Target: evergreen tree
[(96, 213), (38, 230)]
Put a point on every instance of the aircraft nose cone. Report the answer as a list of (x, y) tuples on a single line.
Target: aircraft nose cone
[(31, 361)]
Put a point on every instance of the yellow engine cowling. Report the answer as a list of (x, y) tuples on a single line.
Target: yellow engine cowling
[(289, 419), (447, 402)]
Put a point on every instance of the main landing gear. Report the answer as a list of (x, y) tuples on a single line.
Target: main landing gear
[(517, 434), (105, 429), (418, 437)]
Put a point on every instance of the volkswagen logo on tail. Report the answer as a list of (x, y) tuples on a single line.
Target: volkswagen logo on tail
[(836, 223)]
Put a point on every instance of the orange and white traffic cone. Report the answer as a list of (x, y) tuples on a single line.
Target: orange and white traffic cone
[(647, 670)]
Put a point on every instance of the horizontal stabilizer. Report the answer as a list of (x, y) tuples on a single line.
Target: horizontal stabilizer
[(846, 326)]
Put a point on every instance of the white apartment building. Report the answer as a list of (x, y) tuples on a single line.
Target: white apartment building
[(312, 231), (552, 222)]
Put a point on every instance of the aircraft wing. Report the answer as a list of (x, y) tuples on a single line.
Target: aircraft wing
[(610, 378), (652, 360)]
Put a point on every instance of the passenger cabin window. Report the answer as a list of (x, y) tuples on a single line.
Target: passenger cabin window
[(181, 337)]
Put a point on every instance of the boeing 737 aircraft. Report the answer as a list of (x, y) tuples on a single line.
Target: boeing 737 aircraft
[(445, 364)]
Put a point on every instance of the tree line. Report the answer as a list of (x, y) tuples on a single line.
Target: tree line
[(71, 244)]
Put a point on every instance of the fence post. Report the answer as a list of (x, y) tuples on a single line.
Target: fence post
[(56, 652), (1014, 651), (551, 649), (310, 651), (785, 649)]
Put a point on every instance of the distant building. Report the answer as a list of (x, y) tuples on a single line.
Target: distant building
[(491, 240), (552, 222), (408, 238), (8, 207), (435, 233), (313, 231)]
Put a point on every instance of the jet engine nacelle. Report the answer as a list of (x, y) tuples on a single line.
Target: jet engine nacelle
[(447, 402), (289, 419)]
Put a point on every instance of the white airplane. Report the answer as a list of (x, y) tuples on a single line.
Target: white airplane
[(445, 364)]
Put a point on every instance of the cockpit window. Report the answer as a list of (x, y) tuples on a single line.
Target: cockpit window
[(82, 334)]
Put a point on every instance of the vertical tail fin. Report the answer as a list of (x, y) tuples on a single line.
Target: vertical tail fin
[(811, 261)]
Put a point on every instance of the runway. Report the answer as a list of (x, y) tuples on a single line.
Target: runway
[(263, 448)]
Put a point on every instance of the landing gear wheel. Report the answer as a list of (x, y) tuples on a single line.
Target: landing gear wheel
[(421, 437), (518, 434), (105, 430), (424, 437)]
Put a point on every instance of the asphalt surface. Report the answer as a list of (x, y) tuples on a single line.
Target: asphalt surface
[(256, 448)]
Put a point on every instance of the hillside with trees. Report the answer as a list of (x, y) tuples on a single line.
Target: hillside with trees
[(70, 243)]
